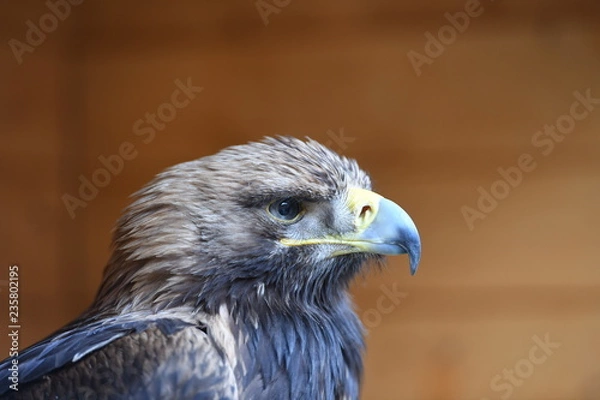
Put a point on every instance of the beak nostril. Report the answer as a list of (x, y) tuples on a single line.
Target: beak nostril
[(364, 212)]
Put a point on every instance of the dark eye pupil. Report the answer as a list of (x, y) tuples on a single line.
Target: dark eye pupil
[(286, 209)]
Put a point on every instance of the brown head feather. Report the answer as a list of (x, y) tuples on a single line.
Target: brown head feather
[(203, 223)]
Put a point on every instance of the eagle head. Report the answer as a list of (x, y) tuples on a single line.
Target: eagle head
[(277, 222)]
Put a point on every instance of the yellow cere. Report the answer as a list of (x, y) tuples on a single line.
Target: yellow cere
[(365, 205)]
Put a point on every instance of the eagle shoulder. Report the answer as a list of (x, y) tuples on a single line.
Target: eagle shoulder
[(153, 363)]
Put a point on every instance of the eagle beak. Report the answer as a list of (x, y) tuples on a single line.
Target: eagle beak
[(381, 227)]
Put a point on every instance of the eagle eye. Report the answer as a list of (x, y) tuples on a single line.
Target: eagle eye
[(288, 210)]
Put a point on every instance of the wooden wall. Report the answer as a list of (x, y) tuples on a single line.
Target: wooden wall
[(527, 268)]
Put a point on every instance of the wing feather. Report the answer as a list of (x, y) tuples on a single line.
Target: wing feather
[(162, 358)]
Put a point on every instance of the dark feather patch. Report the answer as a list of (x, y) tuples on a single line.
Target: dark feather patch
[(71, 345)]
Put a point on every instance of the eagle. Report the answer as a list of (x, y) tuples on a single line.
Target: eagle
[(228, 279)]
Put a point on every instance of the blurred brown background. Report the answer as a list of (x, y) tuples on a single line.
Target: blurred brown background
[(340, 72)]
